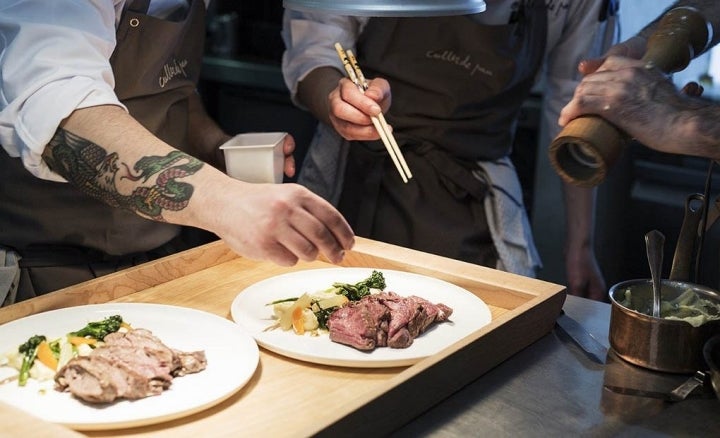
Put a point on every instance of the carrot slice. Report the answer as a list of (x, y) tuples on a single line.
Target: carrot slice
[(78, 340), (298, 321), (46, 356)]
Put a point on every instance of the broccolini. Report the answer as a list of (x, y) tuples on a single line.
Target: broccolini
[(100, 329), (354, 292), (29, 352)]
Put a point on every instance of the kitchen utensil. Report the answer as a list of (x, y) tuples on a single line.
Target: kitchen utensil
[(692, 387), (688, 238), (654, 243), (596, 351), (661, 344), (664, 396), (713, 213), (355, 74), (587, 146), (698, 380)]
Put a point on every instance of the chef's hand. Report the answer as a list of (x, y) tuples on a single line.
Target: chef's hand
[(634, 48), (283, 223), (641, 101), (288, 150), (584, 277), (350, 109)]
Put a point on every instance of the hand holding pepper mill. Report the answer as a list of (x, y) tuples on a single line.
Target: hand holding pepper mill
[(589, 145)]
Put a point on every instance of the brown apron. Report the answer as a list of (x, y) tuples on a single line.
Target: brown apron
[(65, 237), (457, 88)]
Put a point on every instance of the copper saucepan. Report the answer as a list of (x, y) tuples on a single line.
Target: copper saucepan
[(659, 344)]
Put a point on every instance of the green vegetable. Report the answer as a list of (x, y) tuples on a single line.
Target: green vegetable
[(29, 352), (284, 300), (354, 292), (99, 329), (55, 347), (323, 315)]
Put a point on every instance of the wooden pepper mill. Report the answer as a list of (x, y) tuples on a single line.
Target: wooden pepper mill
[(584, 150)]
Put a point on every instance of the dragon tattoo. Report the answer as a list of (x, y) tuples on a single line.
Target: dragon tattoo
[(95, 172)]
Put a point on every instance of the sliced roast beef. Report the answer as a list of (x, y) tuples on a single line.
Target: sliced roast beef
[(357, 324), (402, 310), (139, 360), (384, 319), (131, 365), (150, 344), (439, 311), (401, 339), (190, 362), (99, 380)]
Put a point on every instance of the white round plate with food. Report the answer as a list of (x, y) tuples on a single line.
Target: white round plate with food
[(251, 311), (232, 358)]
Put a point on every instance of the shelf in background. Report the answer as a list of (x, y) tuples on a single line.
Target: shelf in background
[(241, 72)]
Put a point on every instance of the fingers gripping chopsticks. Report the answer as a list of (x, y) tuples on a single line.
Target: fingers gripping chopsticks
[(355, 74)]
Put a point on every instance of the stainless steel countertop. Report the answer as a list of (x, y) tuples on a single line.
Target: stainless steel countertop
[(552, 389)]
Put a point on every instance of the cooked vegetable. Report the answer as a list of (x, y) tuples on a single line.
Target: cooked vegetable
[(288, 316), (689, 306), (79, 340), (99, 329), (354, 292), (323, 315), (53, 355), (29, 352), (311, 311), (298, 321), (46, 355), (333, 301)]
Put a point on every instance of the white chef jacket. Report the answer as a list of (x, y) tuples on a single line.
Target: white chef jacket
[(55, 59), (574, 33)]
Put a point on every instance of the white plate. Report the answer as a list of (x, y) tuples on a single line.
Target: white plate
[(250, 311), (232, 357)]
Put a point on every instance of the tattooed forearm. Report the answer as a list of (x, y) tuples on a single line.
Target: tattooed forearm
[(155, 180)]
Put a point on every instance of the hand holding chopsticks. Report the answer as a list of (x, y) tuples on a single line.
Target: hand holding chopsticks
[(356, 76)]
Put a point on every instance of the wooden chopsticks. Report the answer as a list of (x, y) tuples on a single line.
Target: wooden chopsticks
[(356, 75)]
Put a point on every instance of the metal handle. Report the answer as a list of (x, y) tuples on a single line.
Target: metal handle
[(654, 243)]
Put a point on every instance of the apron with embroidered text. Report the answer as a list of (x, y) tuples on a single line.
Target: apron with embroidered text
[(457, 89), (60, 231)]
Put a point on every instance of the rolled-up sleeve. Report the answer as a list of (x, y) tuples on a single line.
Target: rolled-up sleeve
[(54, 59), (310, 43)]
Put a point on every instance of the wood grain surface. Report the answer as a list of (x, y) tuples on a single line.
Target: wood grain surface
[(287, 397)]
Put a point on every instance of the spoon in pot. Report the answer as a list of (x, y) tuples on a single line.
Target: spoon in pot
[(654, 243)]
